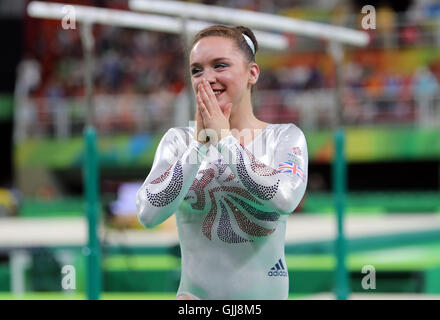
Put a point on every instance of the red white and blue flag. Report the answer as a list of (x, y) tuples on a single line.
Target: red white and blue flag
[(290, 167)]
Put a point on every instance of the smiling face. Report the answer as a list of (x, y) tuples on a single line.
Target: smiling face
[(218, 60)]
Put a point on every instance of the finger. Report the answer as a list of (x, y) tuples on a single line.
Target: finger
[(227, 111), (199, 100), (202, 107), (205, 100), (208, 90), (204, 96), (211, 97), (198, 116)]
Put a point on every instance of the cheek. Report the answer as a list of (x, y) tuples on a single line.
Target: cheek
[(232, 81), (237, 85)]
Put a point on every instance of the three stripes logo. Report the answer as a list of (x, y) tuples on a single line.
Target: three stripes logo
[(277, 270)]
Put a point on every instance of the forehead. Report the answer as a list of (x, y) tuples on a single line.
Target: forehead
[(210, 48)]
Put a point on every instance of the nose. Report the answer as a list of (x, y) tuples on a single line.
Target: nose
[(209, 75)]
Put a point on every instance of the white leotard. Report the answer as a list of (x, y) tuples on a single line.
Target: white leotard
[(231, 204)]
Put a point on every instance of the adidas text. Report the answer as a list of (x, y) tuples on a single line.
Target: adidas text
[(279, 273)]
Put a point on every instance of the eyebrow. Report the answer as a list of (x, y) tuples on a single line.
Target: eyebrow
[(214, 60)]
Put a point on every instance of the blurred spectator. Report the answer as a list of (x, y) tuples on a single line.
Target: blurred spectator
[(9, 202), (28, 79), (374, 84), (410, 35), (425, 89), (386, 23), (110, 70), (352, 75), (135, 69)]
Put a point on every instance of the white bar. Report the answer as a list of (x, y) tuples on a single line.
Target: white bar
[(252, 19), (19, 261), (123, 18)]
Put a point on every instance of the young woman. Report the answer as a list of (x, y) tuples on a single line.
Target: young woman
[(231, 181)]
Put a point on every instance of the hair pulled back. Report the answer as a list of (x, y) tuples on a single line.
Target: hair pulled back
[(234, 33)]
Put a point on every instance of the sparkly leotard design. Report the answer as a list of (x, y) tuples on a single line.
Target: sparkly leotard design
[(231, 204)]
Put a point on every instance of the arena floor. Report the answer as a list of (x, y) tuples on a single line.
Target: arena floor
[(29, 232)]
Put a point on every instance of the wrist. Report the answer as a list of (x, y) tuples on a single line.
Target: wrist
[(224, 133)]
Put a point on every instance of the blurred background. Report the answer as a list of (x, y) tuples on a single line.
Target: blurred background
[(391, 112)]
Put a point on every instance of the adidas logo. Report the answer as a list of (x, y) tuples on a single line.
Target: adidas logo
[(277, 270)]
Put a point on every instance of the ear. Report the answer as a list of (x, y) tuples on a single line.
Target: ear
[(254, 73)]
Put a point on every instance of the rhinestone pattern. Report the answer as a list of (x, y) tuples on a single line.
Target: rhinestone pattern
[(225, 231), (199, 186), (262, 192), (247, 225), (162, 177), (258, 214), (170, 193)]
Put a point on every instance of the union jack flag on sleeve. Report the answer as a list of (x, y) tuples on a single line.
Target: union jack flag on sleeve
[(290, 167)]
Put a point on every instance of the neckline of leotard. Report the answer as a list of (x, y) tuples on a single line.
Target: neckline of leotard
[(259, 135)]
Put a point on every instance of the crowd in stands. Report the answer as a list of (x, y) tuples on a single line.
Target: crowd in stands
[(133, 62)]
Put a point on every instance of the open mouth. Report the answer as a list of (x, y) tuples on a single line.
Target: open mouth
[(218, 92)]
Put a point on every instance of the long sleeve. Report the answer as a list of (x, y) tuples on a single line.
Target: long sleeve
[(281, 187), (174, 168)]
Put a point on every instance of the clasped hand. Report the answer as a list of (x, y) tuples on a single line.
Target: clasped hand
[(212, 121)]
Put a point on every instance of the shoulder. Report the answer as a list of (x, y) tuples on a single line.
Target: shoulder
[(286, 130), (291, 135), (184, 134)]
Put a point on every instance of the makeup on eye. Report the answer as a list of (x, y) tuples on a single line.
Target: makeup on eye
[(216, 65), (223, 65), (213, 62)]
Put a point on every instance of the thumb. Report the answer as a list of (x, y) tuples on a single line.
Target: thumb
[(227, 111), (198, 116)]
